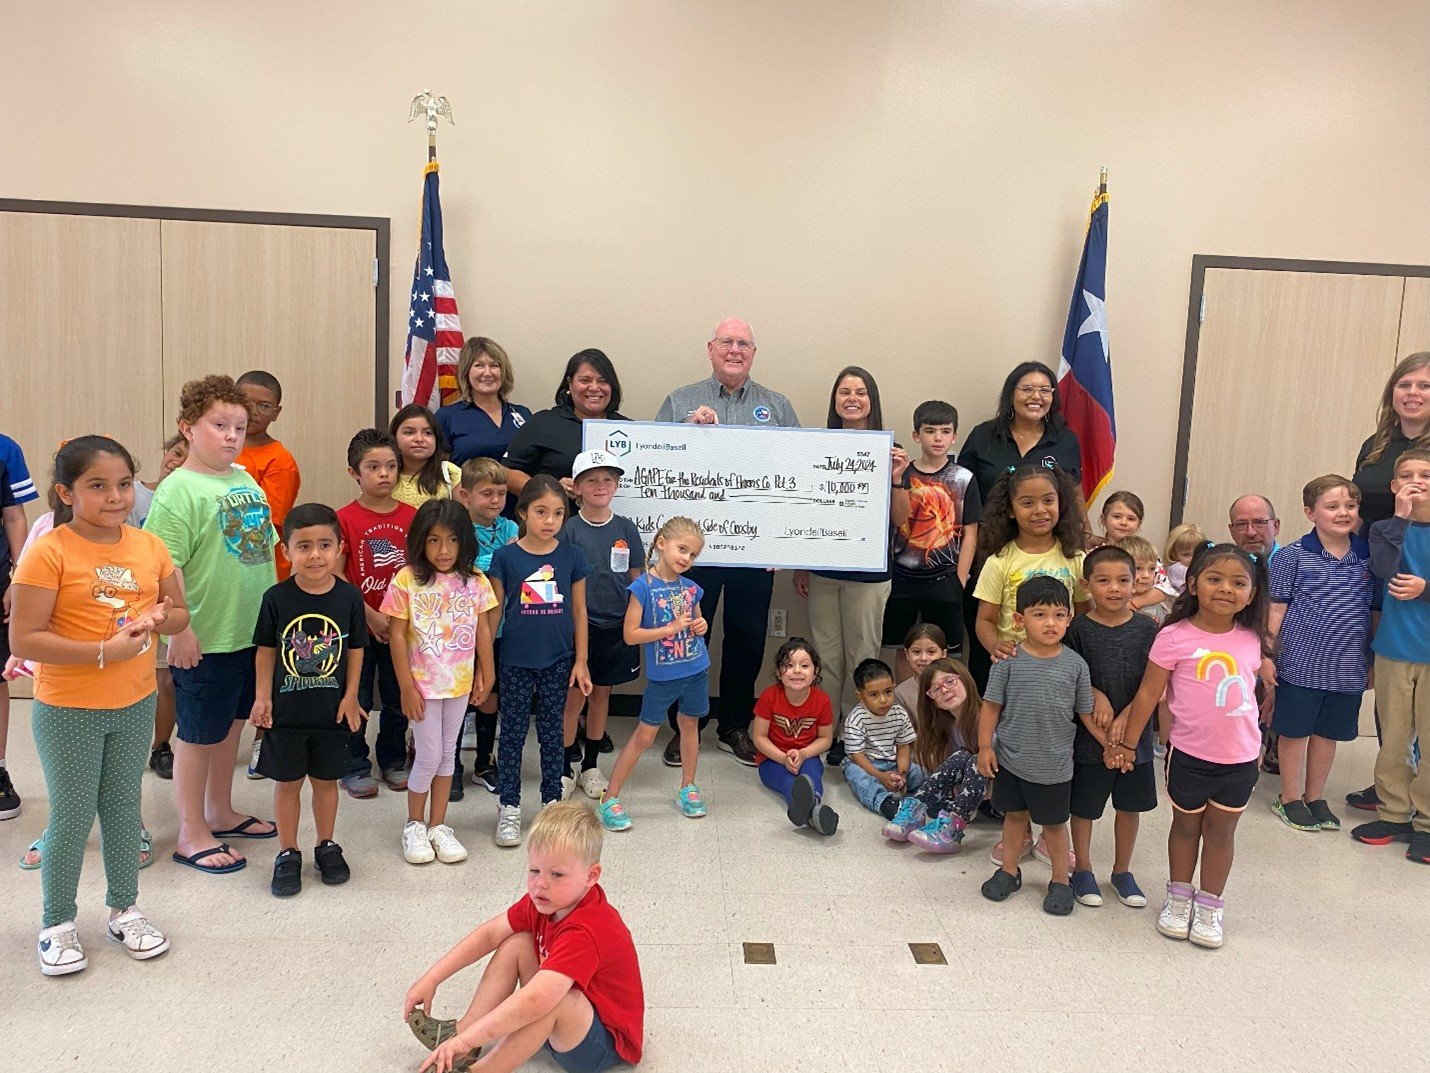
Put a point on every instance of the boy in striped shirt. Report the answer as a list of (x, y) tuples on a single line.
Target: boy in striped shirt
[(1323, 605), (878, 740)]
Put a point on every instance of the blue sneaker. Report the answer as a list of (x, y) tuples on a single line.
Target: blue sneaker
[(691, 803), (909, 818), (1085, 888), (613, 815), (942, 834), (1128, 892)]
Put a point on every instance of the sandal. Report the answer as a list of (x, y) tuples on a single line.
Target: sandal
[(146, 851), (36, 847), (193, 860), (241, 831)]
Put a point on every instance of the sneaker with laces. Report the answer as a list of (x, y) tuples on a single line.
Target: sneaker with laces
[(1322, 814), (1206, 928), (1175, 919), (60, 952), (444, 842), (253, 761), (997, 855), (508, 825), (1040, 853), (671, 756), (1366, 800), (1382, 832), (613, 815), (416, 845), (486, 776), (592, 782), (396, 778), (140, 939), (568, 786), (161, 760), (740, 745), (1295, 814), (942, 834), (10, 802), (1128, 892), (909, 818), (359, 786), (692, 804)]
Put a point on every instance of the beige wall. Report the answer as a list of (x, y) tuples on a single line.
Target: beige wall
[(900, 185)]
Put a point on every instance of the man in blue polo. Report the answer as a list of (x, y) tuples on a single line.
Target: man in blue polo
[(729, 397)]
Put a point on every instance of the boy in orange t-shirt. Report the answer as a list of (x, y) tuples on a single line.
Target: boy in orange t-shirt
[(268, 462)]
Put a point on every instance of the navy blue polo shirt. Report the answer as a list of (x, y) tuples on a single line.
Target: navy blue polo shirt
[(1325, 636)]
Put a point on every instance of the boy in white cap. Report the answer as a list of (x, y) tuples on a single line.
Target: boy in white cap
[(615, 557)]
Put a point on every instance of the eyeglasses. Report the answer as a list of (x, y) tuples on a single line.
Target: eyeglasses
[(734, 344), (938, 689), (265, 408), (1036, 392), (1251, 523)]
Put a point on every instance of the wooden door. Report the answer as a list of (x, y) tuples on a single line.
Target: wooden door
[(295, 301), (80, 335), (1414, 317), (1290, 366)]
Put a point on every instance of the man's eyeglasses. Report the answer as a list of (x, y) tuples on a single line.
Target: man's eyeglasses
[(1251, 523), (734, 344)]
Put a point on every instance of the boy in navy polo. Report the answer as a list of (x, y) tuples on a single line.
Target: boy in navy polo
[(1400, 555), (1323, 599)]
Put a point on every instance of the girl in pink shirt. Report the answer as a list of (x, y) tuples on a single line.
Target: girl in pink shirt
[(1207, 658)]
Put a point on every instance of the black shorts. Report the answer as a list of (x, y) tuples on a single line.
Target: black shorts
[(290, 754), (903, 612), (4, 627), (1302, 712), (1131, 791), (610, 660), (1193, 784), (1046, 805)]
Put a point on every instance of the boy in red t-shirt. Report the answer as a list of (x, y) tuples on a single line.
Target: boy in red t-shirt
[(563, 973), (375, 542)]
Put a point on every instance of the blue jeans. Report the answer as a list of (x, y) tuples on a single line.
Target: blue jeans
[(778, 778), (379, 678), (869, 790)]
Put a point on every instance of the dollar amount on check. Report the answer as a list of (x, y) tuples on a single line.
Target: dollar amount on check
[(791, 498)]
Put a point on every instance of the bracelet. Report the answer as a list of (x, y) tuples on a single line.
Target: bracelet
[(101, 655)]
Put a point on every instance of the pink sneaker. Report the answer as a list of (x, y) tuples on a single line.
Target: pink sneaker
[(1040, 853), (942, 834), (997, 854)]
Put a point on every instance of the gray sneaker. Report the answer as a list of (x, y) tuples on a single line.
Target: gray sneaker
[(359, 786), (396, 778)]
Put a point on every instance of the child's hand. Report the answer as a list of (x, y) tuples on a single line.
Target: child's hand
[(481, 688), (351, 713), (1405, 586), (889, 780), (1102, 713), (184, 651), (423, 993), (150, 620), (1411, 493), (793, 761), (987, 763), (680, 624), (412, 705), (378, 624), (1005, 650), (700, 627), (901, 781), (1117, 730), (580, 677), (442, 1059), (262, 714)]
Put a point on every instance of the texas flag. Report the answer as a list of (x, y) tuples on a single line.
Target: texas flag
[(1085, 372)]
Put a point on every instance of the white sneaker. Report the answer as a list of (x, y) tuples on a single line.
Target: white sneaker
[(444, 841), (253, 763), (1206, 923), (568, 787), (1175, 919), (593, 782), (416, 845), (508, 825), (60, 952), (132, 930), (469, 733)]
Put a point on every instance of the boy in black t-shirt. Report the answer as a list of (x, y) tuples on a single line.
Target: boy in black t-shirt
[(310, 635), (1115, 641)]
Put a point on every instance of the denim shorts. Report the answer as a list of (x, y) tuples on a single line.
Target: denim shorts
[(693, 693), (210, 698), (594, 1054)]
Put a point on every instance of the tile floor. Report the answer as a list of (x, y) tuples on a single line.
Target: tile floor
[(1326, 955)]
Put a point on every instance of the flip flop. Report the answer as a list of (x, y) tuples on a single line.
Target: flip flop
[(37, 846), (193, 861), (146, 852), (241, 831)]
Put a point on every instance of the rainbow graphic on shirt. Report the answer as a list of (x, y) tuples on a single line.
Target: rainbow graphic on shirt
[(1207, 664)]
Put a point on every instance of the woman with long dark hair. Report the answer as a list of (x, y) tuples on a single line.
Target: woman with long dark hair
[(549, 443)]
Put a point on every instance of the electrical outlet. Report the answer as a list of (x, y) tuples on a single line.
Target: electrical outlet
[(779, 622)]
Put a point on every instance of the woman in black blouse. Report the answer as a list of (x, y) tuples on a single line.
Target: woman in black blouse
[(1027, 429), (551, 440)]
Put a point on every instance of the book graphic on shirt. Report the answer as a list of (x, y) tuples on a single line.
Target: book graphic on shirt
[(540, 587), (385, 554), (1208, 663), (310, 647), (110, 586), (247, 526)]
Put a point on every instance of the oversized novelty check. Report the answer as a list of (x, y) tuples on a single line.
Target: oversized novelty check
[(783, 497)]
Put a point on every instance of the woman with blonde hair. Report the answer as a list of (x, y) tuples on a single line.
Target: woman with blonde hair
[(482, 423)]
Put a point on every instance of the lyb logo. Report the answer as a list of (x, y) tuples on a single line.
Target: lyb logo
[(618, 444)]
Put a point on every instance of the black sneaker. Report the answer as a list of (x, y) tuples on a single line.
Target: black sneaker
[(486, 776), (1059, 900), (1322, 814), (458, 789), (739, 744), (1366, 800), (671, 756), (607, 745), (331, 865), (1419, 850), (835, 756), (287, 873), (889, 807), (9, 799), (1382, 833), (986, 810), (823, 819), (1295, 814), (161, 760), (802, 799), (1000, 884)]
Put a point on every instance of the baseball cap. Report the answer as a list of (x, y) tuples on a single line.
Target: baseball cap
[(589, 460)]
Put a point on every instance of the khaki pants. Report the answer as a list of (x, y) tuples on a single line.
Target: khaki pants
[(847, 621), (1402, 697)]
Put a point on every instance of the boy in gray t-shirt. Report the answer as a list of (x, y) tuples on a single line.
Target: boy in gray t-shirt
[(1033, 702)]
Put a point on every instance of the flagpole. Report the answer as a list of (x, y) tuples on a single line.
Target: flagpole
[(1102, 181), (432, 107)]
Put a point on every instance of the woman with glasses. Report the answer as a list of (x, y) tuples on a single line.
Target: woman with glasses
[(1028, 429)]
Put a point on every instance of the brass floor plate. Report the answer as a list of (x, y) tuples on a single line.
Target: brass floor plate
[(760, 953)]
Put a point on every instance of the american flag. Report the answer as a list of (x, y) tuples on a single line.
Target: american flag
[(385, 553), (434, 332)]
